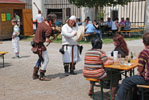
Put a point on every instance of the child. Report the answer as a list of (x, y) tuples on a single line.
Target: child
[(15, 38)]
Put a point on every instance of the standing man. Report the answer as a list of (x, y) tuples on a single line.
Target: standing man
[(70, 46), (43, 33)]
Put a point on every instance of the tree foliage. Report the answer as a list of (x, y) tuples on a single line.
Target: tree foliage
[(101, 3)]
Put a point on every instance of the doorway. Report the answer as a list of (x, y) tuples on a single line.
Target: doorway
[(58, 12), (19, 13)]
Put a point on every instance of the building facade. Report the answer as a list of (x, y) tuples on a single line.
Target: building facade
[(135, 10), (62, 8)]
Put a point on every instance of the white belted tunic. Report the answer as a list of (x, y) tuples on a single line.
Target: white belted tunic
[(68, 39)]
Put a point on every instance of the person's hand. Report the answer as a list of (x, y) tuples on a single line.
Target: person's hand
[(48, 40), (75, 34), (12, 36), (53, 28)]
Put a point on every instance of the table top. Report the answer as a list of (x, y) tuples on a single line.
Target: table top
[(1, 42), (134, 63)]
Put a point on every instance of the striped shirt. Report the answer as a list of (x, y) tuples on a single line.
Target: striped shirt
[(143, 63), (94, 59)]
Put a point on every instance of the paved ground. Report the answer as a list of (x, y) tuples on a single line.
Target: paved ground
[(16, 78)]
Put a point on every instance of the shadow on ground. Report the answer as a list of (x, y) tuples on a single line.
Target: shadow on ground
[(5, 65), (97, 95), (62, 75)]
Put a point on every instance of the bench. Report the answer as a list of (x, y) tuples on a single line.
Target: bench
[(88, 37), (2, 53), (92, 82), (144, 89), (134, 32)]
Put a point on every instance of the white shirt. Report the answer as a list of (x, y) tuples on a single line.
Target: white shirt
[(39, 18), (68, 35), (16, 30), (114, 26)]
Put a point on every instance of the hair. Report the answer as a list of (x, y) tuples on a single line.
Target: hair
[(127, 18), (51, 17), (121, 43), (146, 38), (116, 19), (96, 43), (39, 11), (14, 20)]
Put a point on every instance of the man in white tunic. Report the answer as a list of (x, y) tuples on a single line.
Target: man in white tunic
[(15, 38), (70, 45)]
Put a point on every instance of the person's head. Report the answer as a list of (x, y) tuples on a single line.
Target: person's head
[(88, 18), (96, 43), (71, 21), (14, 21), (146, 39), (122, 19), (78, 20), (127, 19), (94, 22), (52, 17), (15, 13), (108, 19), (116, 19), (39, 11), (101, 19), (119, 41)]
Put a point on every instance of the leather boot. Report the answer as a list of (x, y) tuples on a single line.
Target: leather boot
[(66, 69), (72, 69), (42, 76), (66, 66), (35, 73)]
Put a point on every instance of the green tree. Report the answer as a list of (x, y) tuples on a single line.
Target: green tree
[(98, 3)]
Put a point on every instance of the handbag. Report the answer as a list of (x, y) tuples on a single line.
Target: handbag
[(35, 50)]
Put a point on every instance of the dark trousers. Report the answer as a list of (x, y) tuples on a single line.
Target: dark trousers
[(127, 84)]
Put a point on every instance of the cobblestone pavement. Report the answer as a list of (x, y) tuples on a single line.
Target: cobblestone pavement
[(16, 77)]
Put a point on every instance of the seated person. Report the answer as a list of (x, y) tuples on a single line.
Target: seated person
[(102, 25), (95, 59), (115, 26), (121, 47), (127, 24), (109, 24), (97, 30), (90, 29), (143, 72), (122, 24), (78, 22)]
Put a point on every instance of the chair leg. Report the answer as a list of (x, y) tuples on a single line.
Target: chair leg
[(142, 94), (101, 86), (92, 88)]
